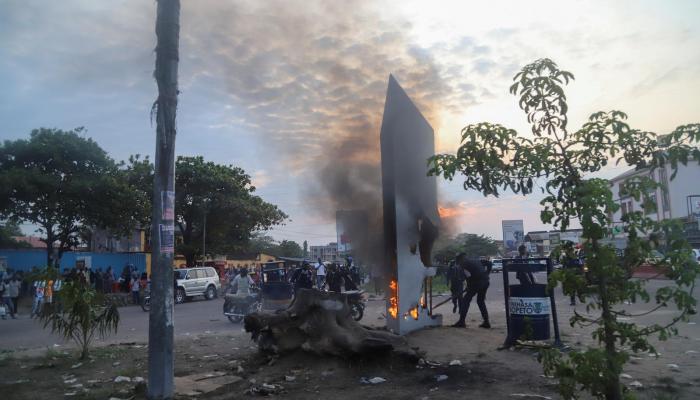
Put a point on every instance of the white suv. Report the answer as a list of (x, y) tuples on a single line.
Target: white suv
[(200, 281)]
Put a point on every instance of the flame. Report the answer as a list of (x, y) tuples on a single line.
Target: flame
[(393, 300), (414, 312), (450, 212), (422, 301)]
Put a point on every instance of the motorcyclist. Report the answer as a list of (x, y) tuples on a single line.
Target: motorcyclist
[(241, 284)]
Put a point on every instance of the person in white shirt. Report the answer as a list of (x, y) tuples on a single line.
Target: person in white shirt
[(320, 274), (242, 283)]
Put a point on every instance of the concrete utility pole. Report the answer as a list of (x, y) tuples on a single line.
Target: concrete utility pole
[(161, 363)]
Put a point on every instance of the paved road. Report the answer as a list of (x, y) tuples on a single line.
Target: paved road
[(205, 317)]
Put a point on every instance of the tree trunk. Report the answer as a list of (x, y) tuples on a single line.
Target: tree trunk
[(613, 390), (321, 322)]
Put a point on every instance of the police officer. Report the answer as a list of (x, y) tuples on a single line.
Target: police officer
[(302, 278), (334, 280), (525, 278), (455, 280), (477, 285)]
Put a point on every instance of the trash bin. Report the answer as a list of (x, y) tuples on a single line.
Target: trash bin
[(529, 307)]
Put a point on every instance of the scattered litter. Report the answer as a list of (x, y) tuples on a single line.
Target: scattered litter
[(207, 332), (441, 378), (626, 376), (78, 365), (691, 352), (455, 363), (120, 379), (530, 396), (56, 345), (240, 370), (138, 379), (266, 389), (116, 364), (69, 394), (636, 385), (654, 354), (69, 381), (211, 356), (373, 381), (77, 386), (673, 367), (421, 362), (290, 378), (433, 364)]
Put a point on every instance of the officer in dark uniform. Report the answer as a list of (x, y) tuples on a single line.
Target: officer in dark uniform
[(455, 280), (334, 280), (477, 285), (302, 278)]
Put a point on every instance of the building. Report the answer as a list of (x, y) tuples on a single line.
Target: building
[(681, 199), (104, 241), (678, 198), (541, 243), (33, 241), (328, 252)]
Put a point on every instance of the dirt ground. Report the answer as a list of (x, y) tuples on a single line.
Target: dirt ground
[(228, 366)]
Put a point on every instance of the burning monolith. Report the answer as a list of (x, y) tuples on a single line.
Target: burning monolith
[(411, 217)]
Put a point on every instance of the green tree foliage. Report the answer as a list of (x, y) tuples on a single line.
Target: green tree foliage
[(63, 183), (79, 313), (493, 158), (260, 243), (7, 231), (446, 249), (290, 248), (205, 192)]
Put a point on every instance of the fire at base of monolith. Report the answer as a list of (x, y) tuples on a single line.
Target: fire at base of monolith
[(411, 217)]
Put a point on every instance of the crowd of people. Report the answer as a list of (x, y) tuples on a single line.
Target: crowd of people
[(15, 285), (327, 276)]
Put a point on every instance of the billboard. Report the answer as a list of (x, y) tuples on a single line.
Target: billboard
[(513, 234)]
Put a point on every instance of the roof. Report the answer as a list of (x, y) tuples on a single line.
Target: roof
[(34, 241), (627, 174)]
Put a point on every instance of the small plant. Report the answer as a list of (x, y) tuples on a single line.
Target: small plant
[(493, 158), (80, 314)]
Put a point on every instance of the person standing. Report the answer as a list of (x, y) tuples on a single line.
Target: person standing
[(6, 298), (320, 273), (15, 288), (333, 279), (136, 289), (108, 280), (477, 285), (455, 280), (525, 278)]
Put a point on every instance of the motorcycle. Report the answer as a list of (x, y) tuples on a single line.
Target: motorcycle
[(356, 301), (236, 308)]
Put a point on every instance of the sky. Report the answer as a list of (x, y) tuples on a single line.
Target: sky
[(293, 91)]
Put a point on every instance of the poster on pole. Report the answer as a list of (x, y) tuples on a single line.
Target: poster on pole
[(513, 234), (167, 238), (168, 197)]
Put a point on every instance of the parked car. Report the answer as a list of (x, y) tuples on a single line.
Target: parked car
[(497, 265), (696, 254), (201, 281)]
